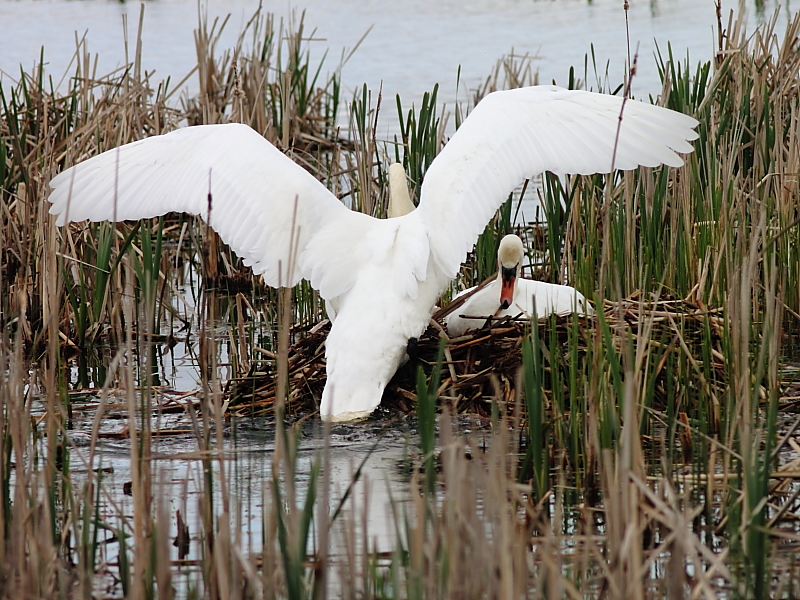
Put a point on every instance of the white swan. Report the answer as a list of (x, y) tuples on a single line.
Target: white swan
[(383, 276), (510, 296), (399, 204)]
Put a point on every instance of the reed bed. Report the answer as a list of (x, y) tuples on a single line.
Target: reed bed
[(482, 366), (648, 452)]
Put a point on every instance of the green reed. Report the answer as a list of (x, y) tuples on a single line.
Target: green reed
[(533, 372), (660, 424), (427, 393), (420, 137)]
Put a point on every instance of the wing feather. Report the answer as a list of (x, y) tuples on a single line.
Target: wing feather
[(517, 134), (254, 190)]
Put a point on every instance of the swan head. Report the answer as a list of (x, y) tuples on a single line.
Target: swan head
[(509, 262), (399, 199)]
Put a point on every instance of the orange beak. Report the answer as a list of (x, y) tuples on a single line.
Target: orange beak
[(507, 288)]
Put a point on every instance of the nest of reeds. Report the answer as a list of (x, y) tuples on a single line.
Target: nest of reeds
[(484, 365)]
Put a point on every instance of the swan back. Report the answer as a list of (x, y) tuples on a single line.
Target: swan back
[(390, 302), (547, 298)]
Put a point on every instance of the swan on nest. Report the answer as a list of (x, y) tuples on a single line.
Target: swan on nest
[(511, 296), (383, 276)]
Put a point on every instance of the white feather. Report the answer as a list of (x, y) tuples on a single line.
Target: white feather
[(516, 134), (380, 278), (530, 297)]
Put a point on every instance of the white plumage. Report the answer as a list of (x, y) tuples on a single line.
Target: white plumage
[(383, 276), (527, 297)]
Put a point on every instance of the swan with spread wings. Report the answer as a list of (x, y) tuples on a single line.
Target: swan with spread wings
[(380, 277)]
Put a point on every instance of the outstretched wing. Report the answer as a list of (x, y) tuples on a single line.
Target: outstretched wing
[(257, 193), (516, 134)]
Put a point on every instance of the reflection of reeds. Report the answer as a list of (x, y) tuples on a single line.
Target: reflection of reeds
[(639, 443)]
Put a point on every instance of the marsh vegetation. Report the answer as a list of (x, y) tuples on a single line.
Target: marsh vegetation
[(649, 452)]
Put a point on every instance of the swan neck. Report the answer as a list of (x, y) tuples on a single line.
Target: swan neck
[(399, 199)]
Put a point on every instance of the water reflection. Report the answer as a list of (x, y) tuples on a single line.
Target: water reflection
[(246, 487)]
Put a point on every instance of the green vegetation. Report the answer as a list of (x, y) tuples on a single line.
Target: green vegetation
[(645, 453)]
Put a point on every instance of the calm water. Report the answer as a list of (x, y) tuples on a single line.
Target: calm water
[(249, 452), (413, 44)]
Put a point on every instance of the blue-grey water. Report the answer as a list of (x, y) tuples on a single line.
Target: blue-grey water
[(412, 44)]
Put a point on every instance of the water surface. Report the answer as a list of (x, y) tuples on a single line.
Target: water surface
[(412, 44)]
